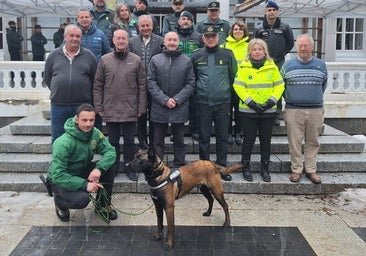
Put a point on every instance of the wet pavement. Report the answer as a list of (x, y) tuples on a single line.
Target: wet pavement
[(261, 225)]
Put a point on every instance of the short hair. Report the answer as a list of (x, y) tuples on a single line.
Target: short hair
[(305, 35), (85, 107), (120, 29), (83, 9), (242, 26), (261, 43), (145, 16), (71, 26)]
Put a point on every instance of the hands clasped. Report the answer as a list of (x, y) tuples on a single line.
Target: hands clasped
[(93, 181)]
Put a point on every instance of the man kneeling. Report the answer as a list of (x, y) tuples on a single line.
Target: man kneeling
[(73, 174)]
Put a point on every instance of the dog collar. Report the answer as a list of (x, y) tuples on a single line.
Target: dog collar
[(172, 178)]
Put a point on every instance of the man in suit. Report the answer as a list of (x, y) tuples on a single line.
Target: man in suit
[(145, 45)]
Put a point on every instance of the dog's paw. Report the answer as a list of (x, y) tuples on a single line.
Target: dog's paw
[(208, 213), (155, 237), (226, 225), (167, 246)]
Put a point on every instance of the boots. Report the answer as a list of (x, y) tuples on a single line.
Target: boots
[(265, 172), (246, 171)]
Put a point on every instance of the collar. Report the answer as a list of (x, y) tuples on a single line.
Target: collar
[(67, 54), (172, 178)]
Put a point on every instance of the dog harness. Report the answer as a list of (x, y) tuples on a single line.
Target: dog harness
[(173, 177)]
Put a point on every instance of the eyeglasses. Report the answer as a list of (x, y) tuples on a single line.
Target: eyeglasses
[(213, 10)]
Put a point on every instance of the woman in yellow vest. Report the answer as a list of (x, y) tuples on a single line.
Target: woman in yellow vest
[(237, 41), (259, 85)]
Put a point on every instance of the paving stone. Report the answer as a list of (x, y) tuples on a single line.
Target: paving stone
[(189, 240)]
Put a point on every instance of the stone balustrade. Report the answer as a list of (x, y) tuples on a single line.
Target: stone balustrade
[(28, 75), (21, 83), (346, 77)]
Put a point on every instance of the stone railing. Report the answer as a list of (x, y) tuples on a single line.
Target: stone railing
[(343, 77), (346, 77), (21, 84), (22, 75)]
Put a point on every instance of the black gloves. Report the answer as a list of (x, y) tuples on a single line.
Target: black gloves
[(268, 104), (256, 107)]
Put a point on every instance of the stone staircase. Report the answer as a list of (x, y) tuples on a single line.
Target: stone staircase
[(25, 152)]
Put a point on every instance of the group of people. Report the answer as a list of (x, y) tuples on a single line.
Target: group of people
[(209, 74), (14, 40)]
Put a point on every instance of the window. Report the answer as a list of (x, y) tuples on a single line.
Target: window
[(349, 34)]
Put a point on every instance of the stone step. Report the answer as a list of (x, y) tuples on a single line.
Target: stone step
[(350, 162), (332, 141), (37, 125), (331, 183)]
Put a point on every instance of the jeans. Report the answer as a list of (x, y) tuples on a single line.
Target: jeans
[(219, 115), (160, 130), (59, 115)]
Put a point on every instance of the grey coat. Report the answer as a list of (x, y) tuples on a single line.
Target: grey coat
[(120, 87), (170, 77)]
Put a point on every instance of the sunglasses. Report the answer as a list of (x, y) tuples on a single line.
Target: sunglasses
[(213, 10)]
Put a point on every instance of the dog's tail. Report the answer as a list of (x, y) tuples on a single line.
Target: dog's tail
[(229, 169)]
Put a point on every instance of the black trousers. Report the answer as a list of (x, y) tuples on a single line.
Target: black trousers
[(65, 199), (129, 147), (142, 133), (252, 126), (193, 120), (14, 54), (234, 114), (38, 57), (160, 132), (219, 115)]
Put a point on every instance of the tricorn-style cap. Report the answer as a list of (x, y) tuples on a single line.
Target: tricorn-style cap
[(210, 30), (213, 5)]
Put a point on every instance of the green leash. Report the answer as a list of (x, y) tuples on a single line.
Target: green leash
[(103, 211)]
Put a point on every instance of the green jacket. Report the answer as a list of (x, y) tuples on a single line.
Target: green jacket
[(215, 71), (73, 152), (258, 85)]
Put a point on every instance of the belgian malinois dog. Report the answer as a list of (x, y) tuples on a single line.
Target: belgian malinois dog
[(167, 186)]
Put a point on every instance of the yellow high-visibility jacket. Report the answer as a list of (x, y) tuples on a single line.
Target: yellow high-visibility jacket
[(258, 85), (240, 49)]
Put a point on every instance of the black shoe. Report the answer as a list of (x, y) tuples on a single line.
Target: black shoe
[(265, 176), (63, 215), (238, 139), (107, 216), (231, 139), (226, 177), (47, 184), (134, 176), (195, 136), (247, 175), (277, 122)]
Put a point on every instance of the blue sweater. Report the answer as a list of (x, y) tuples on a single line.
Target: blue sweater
[(305, 83)]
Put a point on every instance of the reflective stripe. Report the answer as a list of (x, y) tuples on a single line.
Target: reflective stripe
[(238, 82), (278, 83), (252, 86)]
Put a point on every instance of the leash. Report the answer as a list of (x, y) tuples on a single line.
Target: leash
[(103, 211)]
